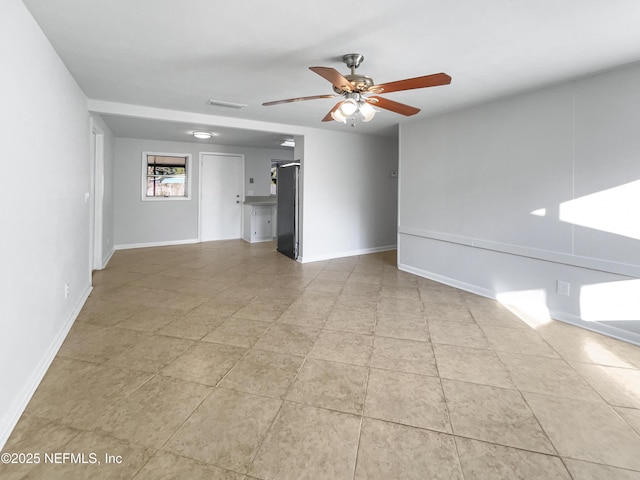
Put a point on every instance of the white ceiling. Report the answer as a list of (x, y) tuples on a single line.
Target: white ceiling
[(129, 127), (178, 54)]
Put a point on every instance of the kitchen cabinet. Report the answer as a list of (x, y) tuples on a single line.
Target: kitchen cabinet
[(259, 222)]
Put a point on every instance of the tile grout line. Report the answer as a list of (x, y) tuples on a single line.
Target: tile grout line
[(446, 403), (251, 267), (282, 403), (495, 353), (276, 416), (364, 403), (212, 389), (521, 395)]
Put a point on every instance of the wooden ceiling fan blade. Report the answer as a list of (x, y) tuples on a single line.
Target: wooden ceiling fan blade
[(298, 99), (433, 80), (396, 107), (328, 117), (335, 77)]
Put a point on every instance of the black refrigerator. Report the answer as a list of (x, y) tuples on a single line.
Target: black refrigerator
[(288, 210)]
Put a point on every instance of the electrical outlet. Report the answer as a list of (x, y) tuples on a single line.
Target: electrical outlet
[(66, 290), (563, 288)]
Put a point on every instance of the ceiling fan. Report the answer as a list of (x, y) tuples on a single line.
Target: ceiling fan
[(353, 88)]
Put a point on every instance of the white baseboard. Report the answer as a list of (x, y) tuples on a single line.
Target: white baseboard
[(351, 253), (452, 282), (598, 327), (105, 261), (565, 317), (129, 246), (24, 397)]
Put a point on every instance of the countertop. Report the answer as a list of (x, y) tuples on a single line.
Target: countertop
[(260, 201)]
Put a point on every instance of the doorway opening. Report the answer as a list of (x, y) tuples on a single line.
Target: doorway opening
[(96, 210)]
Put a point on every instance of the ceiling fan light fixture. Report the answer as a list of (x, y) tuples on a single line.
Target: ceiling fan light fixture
[(203, 135), (338, 116), (367, 111), (348, 108)]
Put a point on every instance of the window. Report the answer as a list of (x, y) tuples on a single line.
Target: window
[(165, 176), (274, 174), (274, 178)]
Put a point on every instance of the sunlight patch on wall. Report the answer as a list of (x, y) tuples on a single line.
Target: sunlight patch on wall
[(529, 305), (610, 301), (541, 212), (614, 210)]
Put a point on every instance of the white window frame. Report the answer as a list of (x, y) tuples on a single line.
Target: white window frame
[(143, 184)]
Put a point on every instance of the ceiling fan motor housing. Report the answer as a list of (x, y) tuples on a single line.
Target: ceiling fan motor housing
[(359, 83)]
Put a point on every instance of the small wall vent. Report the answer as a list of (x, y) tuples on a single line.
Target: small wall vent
[(220, 103)]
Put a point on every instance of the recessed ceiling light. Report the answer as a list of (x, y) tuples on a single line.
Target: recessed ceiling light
[(203, 135)]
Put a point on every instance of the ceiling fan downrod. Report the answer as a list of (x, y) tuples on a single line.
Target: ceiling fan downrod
[(353, 61), (359, 83)]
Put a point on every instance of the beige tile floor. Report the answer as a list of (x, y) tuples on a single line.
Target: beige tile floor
[(226, 360)]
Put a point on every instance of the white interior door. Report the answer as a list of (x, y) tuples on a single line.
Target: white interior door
[(221, 185)]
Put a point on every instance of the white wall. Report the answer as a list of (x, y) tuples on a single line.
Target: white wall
[(516, 194), (364, 163), (44, 217), (349, 197), (138, 222), (347, 191), (108, 199), (258, 167)]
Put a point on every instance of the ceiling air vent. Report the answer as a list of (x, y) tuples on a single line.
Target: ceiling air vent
[(220, 103)]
